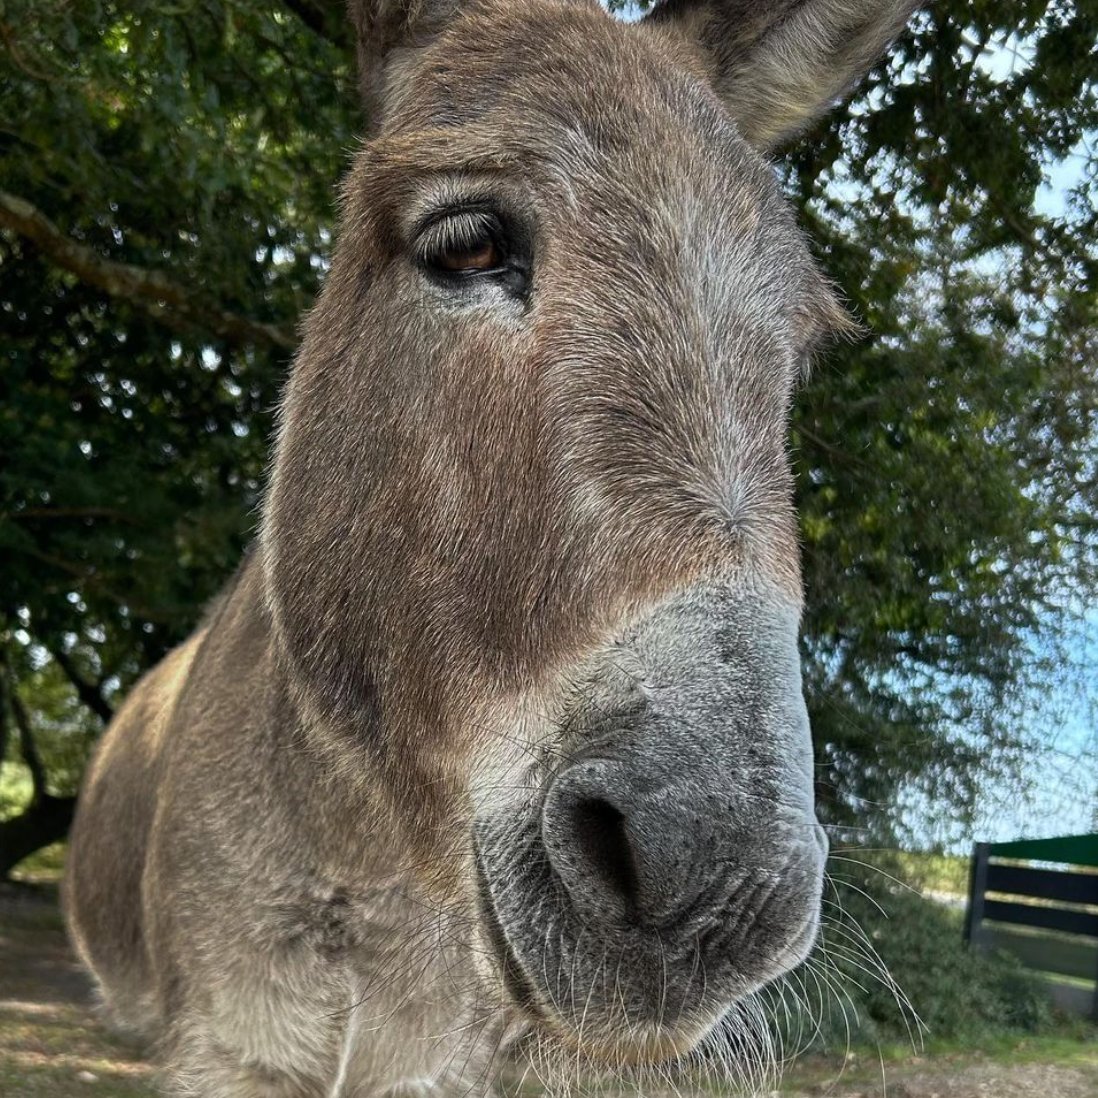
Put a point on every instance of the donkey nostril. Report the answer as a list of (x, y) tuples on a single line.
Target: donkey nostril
[(602, 842)]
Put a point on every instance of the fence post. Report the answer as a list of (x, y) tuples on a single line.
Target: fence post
[(977, 886), (1094, 1005)]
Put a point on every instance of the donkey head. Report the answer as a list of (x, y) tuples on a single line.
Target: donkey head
[(530, 544)]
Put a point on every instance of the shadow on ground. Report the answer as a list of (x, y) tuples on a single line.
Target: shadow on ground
[(52, 1045)]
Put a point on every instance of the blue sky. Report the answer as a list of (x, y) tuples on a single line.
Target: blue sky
[(1063, 769)]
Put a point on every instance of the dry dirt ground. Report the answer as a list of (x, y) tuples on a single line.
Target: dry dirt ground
[(972, 1080), (52, 1046)]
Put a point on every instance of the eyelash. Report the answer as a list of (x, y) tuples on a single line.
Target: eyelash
[(457, 230)]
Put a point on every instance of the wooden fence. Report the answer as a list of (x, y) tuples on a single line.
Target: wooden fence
[(1038, 899)]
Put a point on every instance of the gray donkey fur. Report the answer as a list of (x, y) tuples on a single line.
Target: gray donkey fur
[(499, 730)]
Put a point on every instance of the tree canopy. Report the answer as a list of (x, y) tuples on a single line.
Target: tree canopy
[(167, 180)]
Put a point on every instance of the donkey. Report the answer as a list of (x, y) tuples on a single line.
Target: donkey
[(499, 729)]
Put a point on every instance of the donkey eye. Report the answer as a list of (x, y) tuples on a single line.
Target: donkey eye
[(465, 244), (482, 256)]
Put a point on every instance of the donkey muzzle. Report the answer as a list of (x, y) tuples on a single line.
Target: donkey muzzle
[(672, 863)]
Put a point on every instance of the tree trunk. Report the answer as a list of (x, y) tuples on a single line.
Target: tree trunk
[(45, 820)]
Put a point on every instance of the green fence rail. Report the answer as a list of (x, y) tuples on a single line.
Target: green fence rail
[(1066, 850), (1038, 900)]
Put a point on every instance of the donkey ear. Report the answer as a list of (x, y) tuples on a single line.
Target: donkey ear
[(385, 32), (777, 64)]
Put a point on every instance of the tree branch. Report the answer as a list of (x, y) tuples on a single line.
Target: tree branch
[(154, 291), (46, 820), (92, 577), (90, 693), (4, 725), (320, 20), (19, 58), (111, 513), (844, 456), (27, 747)]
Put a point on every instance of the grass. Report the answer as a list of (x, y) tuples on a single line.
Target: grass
[(42, 867), (946, 874)]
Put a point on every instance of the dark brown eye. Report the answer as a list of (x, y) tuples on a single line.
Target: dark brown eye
[(463, 247), (482, 256), (463, 242)]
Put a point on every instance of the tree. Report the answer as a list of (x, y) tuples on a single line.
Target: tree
[(167, 175), (52, 743), (167, 184), (949, 467)]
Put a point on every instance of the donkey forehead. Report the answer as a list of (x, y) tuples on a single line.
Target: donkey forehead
[(566, 86)]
